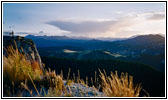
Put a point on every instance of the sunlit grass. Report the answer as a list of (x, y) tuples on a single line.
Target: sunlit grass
[(17, 68), (115, 86), (56, 84)]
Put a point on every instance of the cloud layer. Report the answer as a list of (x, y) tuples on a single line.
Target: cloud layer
[(124, 26), (82, 27)]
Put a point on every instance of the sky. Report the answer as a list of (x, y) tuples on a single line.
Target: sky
[(94, 20)]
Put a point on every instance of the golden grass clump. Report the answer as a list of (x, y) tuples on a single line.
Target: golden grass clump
[(115, 86), (16, 66), (56, 84)]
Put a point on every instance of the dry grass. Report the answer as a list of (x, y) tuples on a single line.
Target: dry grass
[(36, 67), (57, 87), (17, 68), (115, 86), (56, 81)]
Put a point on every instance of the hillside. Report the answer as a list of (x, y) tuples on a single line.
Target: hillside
[(77, 53), (149, 44), (143, 40)]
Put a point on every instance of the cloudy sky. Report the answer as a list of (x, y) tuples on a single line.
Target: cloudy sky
[(117, 20)]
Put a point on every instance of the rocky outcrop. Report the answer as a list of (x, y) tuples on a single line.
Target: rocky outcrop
[(24, 45)]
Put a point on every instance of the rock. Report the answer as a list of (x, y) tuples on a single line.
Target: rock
[(25, 46), (79, 90), (75, 90)]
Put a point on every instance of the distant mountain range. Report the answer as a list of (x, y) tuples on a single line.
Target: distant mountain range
[(151, 44), (146, 49), (75, 38)]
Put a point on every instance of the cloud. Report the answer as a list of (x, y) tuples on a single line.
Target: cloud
[(118, 12), (126, 26), (94, 28), (153, 15), (157, 17), (83, 26)]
